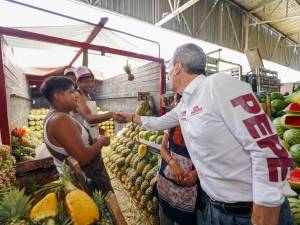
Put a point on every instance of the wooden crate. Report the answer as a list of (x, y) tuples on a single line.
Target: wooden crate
[(40, 171)]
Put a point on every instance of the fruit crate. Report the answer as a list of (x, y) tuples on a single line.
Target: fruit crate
[(263, 80), (40, 172)]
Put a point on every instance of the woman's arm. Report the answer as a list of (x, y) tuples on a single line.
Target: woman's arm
[(67, 133), (177, 171)]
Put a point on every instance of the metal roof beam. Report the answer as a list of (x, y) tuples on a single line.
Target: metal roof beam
[(91, 37), (62, 41), (261, 6), (293, 32), (176, 12), (275, 20)]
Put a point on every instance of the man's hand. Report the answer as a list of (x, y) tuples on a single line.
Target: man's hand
[(123, 117), (105, 141), (262, 215), (176, 170), (190, 179)]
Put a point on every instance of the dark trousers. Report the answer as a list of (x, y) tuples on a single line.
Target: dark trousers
[(213, 216)]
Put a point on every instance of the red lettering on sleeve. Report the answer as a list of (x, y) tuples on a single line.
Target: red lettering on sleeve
[(248, 102), (273, 143), (262, 122), (274, 164)]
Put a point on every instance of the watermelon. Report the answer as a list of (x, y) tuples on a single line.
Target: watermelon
[(295, 152), (278, 104), (294, 97), (261, 96), (279, 126), (292, 136), (291, 120), (292, 108), (279, 113), (276, 95), (284, 144), (294, 179)]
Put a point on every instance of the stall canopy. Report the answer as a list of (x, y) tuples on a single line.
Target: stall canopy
[(88, 25)]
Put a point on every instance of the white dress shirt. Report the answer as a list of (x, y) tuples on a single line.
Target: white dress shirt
[(228, 137)]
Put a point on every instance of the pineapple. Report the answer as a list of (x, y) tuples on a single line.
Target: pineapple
[(81, 208), (100, 201), (20, 222), (142, 150), (47, 207), (146, 169), (14, 207), (138, 182), (7, 167), (140, 167)]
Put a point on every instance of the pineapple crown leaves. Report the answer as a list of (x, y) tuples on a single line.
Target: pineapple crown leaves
[(99, 199), (62, 218), (127, 68), (14, 206)]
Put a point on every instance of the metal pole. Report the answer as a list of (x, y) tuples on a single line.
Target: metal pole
[(162, 87)]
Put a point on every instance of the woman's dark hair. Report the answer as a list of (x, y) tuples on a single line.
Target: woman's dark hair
[(70, 74), (55, 84), (177, 97)]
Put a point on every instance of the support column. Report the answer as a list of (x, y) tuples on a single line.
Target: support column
[(162, 110)]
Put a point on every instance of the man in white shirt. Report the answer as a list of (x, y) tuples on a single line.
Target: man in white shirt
[(241, 164)]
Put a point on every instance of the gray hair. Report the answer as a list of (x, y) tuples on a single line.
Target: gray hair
[(192, 58)]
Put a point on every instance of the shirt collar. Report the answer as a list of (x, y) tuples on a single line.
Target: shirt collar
[(188, 91)]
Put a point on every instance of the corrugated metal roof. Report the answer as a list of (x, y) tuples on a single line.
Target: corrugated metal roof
[(283, 15)]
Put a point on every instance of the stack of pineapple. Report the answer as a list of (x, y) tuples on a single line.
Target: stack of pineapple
[(136, 167), (108, 126), (57, 203), (35, 121), (7, 167)]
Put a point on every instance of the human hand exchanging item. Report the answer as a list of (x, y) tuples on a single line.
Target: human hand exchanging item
[(124, 117)]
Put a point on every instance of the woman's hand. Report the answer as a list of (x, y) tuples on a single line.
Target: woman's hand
[(176, 170), (190, 178)]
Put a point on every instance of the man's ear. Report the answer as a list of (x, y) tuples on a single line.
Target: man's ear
[(177, 68), (57, 96)]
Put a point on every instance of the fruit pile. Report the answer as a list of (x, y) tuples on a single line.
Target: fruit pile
[(152, 136), (35, 121), (136, 167), (7, 167), (108, 126), (288, 129), (59, 202), (23, 144), (295, 208), (278, 103)]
